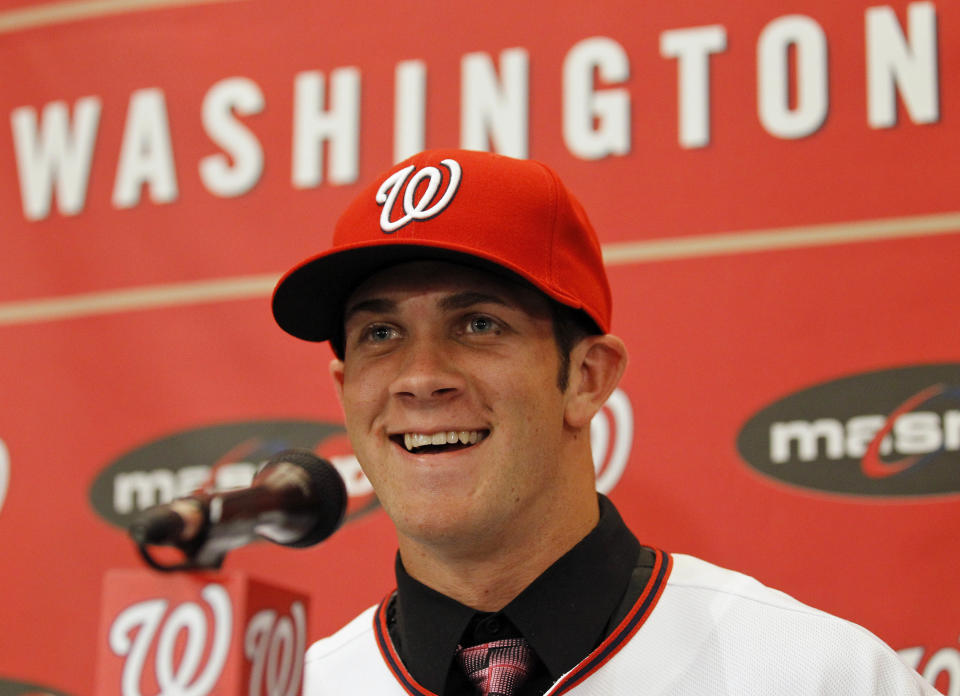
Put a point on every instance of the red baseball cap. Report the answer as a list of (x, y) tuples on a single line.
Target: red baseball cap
[(473, 208)]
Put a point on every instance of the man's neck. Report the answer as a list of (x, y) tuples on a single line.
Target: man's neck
[(487, 574)]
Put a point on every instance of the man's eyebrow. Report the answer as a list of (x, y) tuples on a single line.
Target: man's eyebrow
[(462, 300), (459, 300), (377, 304)]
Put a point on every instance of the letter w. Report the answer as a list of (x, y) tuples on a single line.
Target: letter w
[(56, 151)]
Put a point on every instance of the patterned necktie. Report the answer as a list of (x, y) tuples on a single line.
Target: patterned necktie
[(497, 668)]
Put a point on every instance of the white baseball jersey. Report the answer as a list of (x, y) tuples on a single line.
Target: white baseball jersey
[(696, 629)]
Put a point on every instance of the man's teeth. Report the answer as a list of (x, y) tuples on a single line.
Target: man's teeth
[(452, 437)]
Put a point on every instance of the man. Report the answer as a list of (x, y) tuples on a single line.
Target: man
[(468, 309)]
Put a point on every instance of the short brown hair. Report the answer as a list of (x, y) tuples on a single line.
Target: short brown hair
[(570, 326)]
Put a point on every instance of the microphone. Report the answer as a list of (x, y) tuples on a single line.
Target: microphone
[(296, 499)]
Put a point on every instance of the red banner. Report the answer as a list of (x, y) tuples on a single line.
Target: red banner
[(772, 183)]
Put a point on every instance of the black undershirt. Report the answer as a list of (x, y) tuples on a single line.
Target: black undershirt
[(563, 614)]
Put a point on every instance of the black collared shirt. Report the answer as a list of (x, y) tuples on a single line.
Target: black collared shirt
[(564, 614)]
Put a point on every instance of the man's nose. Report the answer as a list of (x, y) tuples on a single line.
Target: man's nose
[(427, 372)]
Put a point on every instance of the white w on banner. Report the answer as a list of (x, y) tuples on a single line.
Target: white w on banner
[(4, 472), (611, 438), (275, 646), (144, 619)]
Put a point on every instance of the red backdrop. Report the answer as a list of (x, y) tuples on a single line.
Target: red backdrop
[(773, 184)]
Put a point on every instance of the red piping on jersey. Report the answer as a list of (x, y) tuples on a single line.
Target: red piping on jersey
[(625, 630), (389, 653)]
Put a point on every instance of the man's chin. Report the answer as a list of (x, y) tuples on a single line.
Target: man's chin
[(449, 530)]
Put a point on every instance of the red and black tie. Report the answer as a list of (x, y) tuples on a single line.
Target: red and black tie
[(497, 668)]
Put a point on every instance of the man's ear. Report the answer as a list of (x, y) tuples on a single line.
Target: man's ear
[(596, 365), (336, 371)]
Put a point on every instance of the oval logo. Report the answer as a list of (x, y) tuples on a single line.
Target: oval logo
[(889, 433), (228, 454)]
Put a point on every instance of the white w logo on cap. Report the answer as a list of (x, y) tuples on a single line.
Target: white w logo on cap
[(390, 189)]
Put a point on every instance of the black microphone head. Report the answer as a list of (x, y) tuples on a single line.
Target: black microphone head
[(327, 488), (157, 525)]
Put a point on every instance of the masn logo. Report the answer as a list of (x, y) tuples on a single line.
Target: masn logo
[(226, 455), (889, 433)]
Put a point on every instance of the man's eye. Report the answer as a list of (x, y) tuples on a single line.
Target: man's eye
[(379, 333), (481, 324)]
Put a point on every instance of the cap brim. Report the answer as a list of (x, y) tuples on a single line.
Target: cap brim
[(308, 301)]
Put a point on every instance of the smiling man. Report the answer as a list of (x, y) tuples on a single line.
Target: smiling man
[(468, 308), (450, 385)]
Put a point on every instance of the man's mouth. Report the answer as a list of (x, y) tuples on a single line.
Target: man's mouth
[(446, 441)]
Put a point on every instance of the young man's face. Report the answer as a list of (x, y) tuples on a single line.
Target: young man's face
[(437, 352)]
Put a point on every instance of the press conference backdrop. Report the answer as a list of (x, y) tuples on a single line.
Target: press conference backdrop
[(774, 184)]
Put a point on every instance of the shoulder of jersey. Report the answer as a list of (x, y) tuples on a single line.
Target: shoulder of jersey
[(356, 629)]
